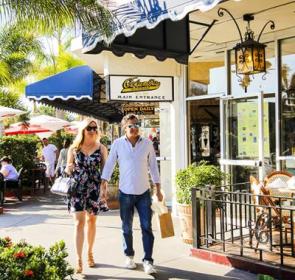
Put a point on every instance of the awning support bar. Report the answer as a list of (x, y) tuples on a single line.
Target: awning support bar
[(203, 36)]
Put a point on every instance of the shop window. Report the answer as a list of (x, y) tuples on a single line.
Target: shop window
[(287, 101), (204, 130), (242, 85), (207, 77)]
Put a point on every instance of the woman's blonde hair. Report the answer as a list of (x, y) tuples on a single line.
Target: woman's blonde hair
[(80, 136)]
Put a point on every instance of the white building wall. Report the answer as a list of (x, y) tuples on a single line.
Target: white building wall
[(172, 115)]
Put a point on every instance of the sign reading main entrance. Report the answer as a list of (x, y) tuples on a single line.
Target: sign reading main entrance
[(140, 88)]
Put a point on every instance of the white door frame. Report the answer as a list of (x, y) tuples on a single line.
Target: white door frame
[(259, 162)]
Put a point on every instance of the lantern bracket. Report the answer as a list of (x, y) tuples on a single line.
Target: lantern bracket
[(221, 14), (272, 27)]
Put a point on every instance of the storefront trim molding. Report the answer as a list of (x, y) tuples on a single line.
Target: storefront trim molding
[(201, 97), (240, 162)]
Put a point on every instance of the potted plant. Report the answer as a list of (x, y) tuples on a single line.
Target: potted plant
[(113, 200), (195, 175)]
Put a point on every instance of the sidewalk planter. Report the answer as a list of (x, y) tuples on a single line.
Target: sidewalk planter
[(185, 215), (200, 176), (24, 261)]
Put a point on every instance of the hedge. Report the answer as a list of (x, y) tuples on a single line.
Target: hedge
[(21, 148)]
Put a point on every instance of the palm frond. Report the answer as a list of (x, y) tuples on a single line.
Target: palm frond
[(4, 73), (51, 14)]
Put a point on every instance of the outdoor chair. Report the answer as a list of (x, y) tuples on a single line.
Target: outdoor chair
[(278, 218), (277, 178), (39, 176), (15, 185)]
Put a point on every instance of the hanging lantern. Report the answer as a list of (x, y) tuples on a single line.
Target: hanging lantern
[(249, 54)]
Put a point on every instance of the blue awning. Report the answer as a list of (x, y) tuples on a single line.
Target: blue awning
[(75, 83), (78, 90)]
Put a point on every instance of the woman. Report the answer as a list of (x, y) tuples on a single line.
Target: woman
[(86, 158), (8, 170), (62, 159)]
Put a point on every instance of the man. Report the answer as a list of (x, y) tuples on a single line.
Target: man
[(49, 153), (136, 157)]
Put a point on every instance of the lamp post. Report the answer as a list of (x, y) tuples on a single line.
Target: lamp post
[(249, 53)]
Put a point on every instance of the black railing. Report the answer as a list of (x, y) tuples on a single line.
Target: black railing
[(245, 224)]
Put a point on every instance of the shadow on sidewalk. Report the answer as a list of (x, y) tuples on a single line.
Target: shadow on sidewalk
[(163, 273)]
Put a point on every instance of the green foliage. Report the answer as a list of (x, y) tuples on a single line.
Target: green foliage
[(48, 15), (17, 47), (59, 137), (105, 140), (264, 277), (9, 99), (46, 110), (24, 261), (197, 175), (21, 148), (115, 176)]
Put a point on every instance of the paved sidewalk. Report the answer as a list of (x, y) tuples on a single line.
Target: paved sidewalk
[(45, 220)]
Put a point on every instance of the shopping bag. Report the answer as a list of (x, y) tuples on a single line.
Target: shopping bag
[(166, 225), (62, 185)]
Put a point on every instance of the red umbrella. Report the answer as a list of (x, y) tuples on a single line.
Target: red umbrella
[(25, 129)]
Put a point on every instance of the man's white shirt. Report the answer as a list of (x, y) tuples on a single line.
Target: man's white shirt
[(134, 164), (49, 153)]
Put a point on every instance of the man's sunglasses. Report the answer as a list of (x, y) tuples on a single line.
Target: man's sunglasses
[(89, 128), (133, 126)]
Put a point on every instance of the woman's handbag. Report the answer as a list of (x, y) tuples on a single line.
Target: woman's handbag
[(62, 185)]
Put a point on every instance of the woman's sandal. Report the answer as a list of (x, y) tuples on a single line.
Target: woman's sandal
[(91, 262), (79, 267)]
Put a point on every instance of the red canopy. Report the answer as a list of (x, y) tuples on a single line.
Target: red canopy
[(25, 129)]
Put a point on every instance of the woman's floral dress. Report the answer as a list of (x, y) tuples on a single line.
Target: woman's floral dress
[(85, 194)]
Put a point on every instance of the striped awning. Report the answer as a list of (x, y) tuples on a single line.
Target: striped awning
[(130, 15)]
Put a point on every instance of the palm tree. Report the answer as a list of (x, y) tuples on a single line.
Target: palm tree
[(52, 14), (56, 59), (17, 47)]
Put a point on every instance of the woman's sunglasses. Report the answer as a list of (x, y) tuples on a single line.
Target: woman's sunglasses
[(89, 128)]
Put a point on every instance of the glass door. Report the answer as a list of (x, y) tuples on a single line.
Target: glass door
[(243, 139)]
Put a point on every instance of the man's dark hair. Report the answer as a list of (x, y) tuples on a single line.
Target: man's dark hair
[(127, 118)]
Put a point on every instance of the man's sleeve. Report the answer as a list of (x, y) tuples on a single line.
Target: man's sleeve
[(154, 171), (110, 163)]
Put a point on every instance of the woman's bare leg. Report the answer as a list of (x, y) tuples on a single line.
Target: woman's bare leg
[(91, 231), (79, 218)]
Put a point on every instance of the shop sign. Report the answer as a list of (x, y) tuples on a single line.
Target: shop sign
[(139, 110), (140, 88)]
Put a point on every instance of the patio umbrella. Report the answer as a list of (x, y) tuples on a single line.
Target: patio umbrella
[(25, 129), (49, 122), (6, 112)]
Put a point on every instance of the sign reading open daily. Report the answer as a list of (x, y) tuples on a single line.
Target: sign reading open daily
[(140, 88), (139, 109)]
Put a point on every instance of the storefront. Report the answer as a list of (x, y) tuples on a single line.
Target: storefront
[(245, 123)]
